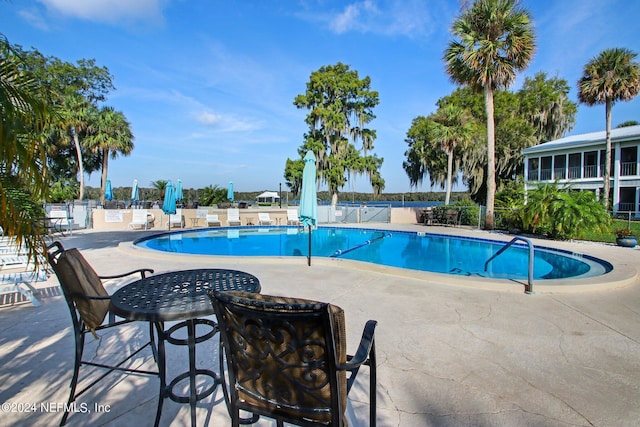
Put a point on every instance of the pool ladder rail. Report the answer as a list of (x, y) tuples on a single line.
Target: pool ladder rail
[(365, 243), (528, 289)]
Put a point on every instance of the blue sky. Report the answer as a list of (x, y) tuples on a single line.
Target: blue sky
[(208, 85)]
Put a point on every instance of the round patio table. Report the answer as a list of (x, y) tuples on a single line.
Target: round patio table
[(180, 296)]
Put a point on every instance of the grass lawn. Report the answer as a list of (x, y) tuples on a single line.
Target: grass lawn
[(610, 237)]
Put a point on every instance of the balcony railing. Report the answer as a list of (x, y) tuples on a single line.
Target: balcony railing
[(629, 168), (626, 207), (591, 171), (560, 173), (545, 174), (574, 172)]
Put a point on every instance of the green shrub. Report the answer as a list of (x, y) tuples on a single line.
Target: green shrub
[(562, 213)]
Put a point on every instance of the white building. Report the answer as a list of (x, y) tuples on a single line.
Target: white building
[(578, 160), (268, 197)]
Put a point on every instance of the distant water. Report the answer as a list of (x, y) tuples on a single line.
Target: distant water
[(394, 204)]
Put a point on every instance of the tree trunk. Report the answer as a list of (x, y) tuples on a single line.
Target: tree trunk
[(491, 161), (80, 165), (334, 198), (105, 167), (447, 196), (607, 157)]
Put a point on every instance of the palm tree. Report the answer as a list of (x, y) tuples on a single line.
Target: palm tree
[(160, 185), (109, 135), (24, 114), (211, 194), (75, 113), (495, 40), (610, 77), (454, 127)]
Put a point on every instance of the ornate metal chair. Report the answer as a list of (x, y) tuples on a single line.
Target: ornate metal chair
[(286, 359), (89, 305)]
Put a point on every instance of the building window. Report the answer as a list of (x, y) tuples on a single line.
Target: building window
[(545, 168), (591, 164), (627, 199), (560, 166), (603, 154), (629, 161), (533, 169), (575, 165)]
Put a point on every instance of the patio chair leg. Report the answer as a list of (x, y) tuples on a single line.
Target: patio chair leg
[(227, 398), (162, 370), (74, 379), (373, 380)]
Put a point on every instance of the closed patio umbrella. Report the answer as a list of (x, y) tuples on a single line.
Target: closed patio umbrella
[(230, 191), (169, 204), (134, 192), (179, 195), (308, 209), (108, 194)]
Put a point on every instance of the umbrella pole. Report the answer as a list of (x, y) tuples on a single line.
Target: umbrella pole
[(309, 257)]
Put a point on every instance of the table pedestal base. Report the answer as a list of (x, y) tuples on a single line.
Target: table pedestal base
[(192, 373)]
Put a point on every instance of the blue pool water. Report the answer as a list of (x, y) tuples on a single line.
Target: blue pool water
[(417, 251)]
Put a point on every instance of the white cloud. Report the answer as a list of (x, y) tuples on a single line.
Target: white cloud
[(35, 18), (111, 11), (208, 118), (410, 18), (354, 17)]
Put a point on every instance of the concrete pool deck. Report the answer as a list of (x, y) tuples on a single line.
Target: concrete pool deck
[(451, 351)]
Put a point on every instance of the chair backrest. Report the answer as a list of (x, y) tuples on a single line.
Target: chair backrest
[(78, 279), (263, 216), (212, 218), (176, 218), (60, 214), (292, 214), (233, 214), (452, 215), (139, 216), (282, 355)]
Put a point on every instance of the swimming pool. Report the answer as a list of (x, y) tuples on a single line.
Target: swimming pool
[(412, 250)]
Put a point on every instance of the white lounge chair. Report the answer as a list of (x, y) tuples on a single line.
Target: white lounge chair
[(292, 216), (21, 283), (59, 220), (233, 216), (8, 246), (212, 219), (12, 261), (264, 218), (177, 220), (141, 218)]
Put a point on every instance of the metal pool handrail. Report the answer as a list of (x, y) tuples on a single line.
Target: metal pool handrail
[(368, 242), (528, 289)]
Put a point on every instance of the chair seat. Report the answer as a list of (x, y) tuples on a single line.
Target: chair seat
[(233, 216), (264, 218), (212, 219)]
